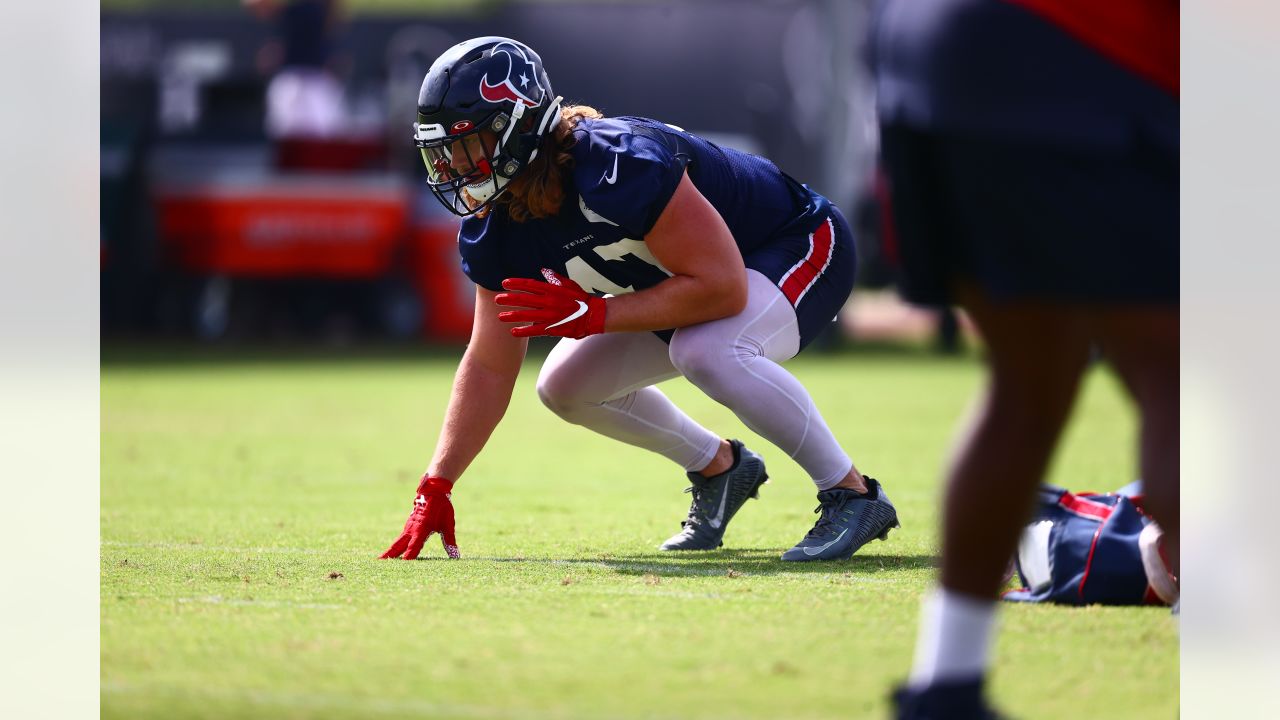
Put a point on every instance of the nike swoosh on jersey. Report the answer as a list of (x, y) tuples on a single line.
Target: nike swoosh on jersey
[(719, 518), (612, 176), (582, 309), (815, 551)]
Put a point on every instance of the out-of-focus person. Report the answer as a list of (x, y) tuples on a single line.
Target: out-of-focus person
[(1031, 151), (304, 97)]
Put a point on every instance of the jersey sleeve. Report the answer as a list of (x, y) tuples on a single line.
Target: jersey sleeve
[(625, 179)]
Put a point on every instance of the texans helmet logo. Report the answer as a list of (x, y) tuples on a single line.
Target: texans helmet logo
[(519, 80)]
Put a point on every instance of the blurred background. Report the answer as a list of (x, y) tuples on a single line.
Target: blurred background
[(258, 182)]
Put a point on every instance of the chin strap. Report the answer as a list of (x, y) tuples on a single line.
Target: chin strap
[(509, 163), (552, 111)]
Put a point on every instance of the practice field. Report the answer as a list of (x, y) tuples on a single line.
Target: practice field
[(244, 503)]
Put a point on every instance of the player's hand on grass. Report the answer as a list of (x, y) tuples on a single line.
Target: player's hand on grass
[(432, 513), (557, 307)]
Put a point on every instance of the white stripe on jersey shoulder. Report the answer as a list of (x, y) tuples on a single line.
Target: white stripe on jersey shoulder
[(592, 215)]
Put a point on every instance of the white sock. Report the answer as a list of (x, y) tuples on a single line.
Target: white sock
[(955, 635)]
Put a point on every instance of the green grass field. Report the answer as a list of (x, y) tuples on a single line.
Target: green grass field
[(244, 502)]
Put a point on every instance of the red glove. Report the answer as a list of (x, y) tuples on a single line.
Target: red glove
[(557, 307), (432, 513)]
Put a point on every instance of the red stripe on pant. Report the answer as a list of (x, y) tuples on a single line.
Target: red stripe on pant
[(805, 273), (1085, 507)]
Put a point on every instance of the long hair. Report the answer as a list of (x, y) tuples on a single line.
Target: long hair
[(539, 191)]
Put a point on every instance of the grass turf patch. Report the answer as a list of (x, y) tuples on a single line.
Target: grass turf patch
[(244, 502)]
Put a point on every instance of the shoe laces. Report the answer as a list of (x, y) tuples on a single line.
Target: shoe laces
[(826, 525), (696, 510)]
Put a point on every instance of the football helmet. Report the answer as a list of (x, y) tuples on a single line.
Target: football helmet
[(483, 109)]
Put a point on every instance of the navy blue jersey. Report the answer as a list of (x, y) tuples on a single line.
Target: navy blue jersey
[(625, 171)]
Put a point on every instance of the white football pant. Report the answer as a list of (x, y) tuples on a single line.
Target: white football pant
[(605, 383)]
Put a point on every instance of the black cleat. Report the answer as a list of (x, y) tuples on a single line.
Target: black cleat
[(717, 499), (944, 701), (848, 521)]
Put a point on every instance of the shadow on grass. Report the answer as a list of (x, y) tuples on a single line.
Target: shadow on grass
[(745, 561)]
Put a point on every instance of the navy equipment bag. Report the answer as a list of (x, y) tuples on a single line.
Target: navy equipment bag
[(1091, 548)]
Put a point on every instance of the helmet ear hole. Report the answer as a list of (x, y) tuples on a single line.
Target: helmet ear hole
[(499, 122)]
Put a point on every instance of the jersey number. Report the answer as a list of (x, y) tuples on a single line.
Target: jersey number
[(620, 254)]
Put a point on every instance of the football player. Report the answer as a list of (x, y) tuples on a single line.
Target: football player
[(654, 254), (1031, 151)]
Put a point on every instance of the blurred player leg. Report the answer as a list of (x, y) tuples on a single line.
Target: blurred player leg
[(603, 382), (1032, 151), (1142, 346), (1036, 355), (735, 362)]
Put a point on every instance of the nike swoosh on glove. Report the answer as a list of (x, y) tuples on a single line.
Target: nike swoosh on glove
[(557, 307), (432, 513)]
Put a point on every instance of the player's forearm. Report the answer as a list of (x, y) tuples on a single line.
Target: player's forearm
[(676, 302), (479, 400)]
